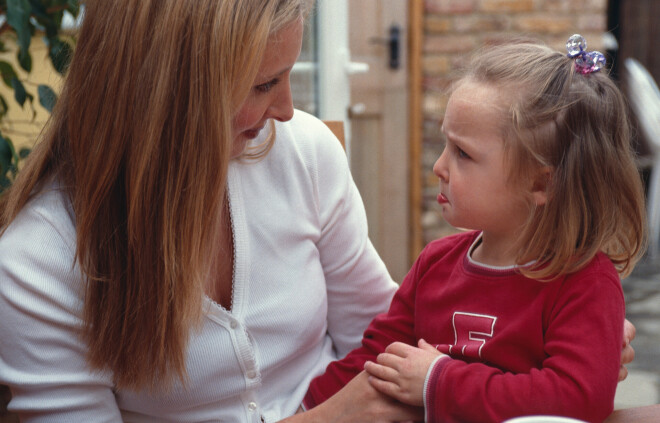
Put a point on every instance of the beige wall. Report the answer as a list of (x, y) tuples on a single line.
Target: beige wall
[(454, 28)]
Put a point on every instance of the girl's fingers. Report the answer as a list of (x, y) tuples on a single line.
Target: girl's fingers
[(385, 387), (389, 360), (426, 346), (382, 372), (629, 332), (398, 348)]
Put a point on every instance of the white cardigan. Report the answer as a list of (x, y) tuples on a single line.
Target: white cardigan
[(307, 281)]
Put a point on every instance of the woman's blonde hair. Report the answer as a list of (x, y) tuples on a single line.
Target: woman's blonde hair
[(140, 140), (576, 128)]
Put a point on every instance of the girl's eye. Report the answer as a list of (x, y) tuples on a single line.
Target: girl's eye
[(462, 154), (267, 86)]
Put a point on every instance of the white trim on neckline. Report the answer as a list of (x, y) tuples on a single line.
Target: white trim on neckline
[(472, 261)]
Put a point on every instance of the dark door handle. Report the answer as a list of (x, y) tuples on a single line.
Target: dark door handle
[(393, 42), (395, 46)]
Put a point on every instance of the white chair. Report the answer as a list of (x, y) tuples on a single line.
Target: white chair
[(644, 97)]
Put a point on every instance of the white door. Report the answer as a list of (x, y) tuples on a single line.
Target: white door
[(353, 69), (379, 124)]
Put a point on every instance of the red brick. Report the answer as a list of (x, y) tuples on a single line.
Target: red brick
[(594, 40), (575, 5), (507, 6), (450, 6), (432, 130), (434, 24), (482, 23), (545, 24), (436, 83), (434, 104), (498, 38), (460, 61), (592, 22), (436, 65), (448, 44)]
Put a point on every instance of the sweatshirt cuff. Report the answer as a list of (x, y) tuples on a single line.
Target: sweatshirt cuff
[(308, 401), (430, 383)]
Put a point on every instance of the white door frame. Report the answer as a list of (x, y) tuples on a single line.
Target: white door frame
[(334, 65)]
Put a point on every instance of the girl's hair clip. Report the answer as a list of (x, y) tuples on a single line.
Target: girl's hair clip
[(585, 61)]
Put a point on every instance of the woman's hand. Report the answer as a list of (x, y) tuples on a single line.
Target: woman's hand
[(401, 371), (628, 353), (359, 402)]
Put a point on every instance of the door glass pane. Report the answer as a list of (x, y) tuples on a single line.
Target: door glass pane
[(304, 76)]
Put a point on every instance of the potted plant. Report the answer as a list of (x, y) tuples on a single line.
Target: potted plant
[(21, 22)]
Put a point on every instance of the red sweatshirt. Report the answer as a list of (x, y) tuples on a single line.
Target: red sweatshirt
[(518, 346)]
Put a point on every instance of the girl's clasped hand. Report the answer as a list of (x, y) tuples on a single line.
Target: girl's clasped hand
[(401, 370)]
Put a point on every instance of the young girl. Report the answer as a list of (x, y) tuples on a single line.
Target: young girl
[(524, 314)]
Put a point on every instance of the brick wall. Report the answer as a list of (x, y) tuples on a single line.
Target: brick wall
[(454, 28)]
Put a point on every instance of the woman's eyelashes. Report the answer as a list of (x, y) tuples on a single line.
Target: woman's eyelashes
[(267, 86)]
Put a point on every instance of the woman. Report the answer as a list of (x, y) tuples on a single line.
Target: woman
[(159, 161), (182, 245)]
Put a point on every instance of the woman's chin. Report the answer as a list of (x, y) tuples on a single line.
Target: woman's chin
[(239, 146)]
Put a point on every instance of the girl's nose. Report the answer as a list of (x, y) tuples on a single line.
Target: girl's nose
[(440, 167)]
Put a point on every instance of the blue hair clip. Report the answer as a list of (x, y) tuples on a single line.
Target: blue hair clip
[(585, 61)]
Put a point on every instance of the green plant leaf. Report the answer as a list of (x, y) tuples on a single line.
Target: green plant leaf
[(25, 60), (8, 72), (19, 91), (6, 156), (48, 17), (73, 7), (3, 106), (60, 54), (18, 16), (5, 183), (38, 8), (11, 147), (30, 98), (47, 97), (24, 152)]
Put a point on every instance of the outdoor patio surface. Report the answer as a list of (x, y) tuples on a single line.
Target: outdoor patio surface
[(642, 292)]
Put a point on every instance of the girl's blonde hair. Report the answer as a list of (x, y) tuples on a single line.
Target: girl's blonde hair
[(570, 134), (140, 140)]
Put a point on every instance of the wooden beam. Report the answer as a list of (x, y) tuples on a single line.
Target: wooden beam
[(337, 128), (415, 73)]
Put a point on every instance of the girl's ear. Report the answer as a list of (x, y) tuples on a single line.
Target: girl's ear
[(540, 187)]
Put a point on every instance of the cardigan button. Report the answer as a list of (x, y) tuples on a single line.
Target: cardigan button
[(252, 406), (233, 324), (251, 374)]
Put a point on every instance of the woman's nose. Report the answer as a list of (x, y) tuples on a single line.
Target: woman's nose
[(282, 106)]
